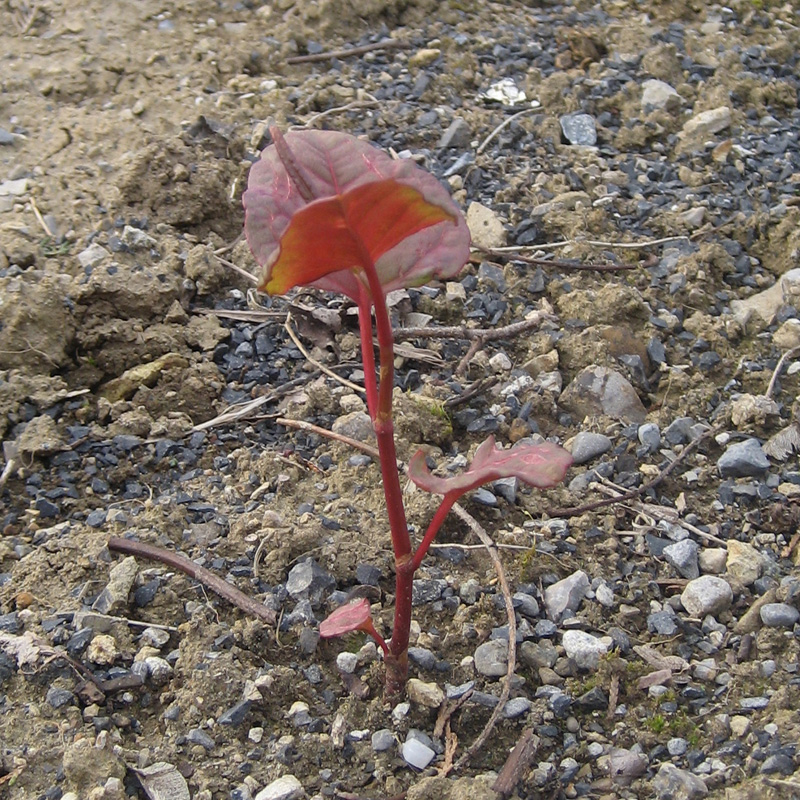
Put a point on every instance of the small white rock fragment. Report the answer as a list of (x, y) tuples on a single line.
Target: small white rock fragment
[(416, 754), (93, 255), (285, 788)]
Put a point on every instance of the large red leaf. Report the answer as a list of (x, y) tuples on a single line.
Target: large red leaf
[(542, 465), (341, 232), (326, 164)]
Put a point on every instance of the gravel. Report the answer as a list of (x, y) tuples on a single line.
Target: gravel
[(655, 636)]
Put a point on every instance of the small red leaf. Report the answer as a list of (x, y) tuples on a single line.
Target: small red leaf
[(542, 465), (349, 231), (346, 619)]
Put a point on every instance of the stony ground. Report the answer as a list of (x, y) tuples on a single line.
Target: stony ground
[(643, 162)]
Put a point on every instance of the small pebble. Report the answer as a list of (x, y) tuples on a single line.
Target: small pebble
[(417, 754)]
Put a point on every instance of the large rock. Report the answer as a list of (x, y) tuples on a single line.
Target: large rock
[(598, 390), (672, 783), (565, 595), (707, 594), (37, 328)]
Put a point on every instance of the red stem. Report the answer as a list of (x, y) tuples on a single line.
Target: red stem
[(436, 523), (397, 666), (368, 351)]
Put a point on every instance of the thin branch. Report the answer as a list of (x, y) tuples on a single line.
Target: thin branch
[(356, 104), (549, 262), (576, 511), (478, 530), (248, 276), (196, 572), (595, 243), (242, 410), (383, 44), (321, 367), (777, 371), (505, 123), (338, 437), (482, 334)]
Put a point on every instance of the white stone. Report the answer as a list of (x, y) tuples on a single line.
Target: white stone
[(93, 255), (659, 94), (416, 754), (285, 788), (584, 649), (707, 122)]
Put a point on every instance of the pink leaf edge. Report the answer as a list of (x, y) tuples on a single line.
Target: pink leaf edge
[(353, 616), (541, 465)]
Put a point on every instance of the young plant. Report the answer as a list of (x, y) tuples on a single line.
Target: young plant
[(328, 210)]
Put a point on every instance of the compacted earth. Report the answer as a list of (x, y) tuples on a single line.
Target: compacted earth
[(630, 173)]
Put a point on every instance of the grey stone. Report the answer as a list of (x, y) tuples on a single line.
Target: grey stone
[(779, 615), (58, 697), (199, 736), (308, 581), (777, 763), (624, 765), (114, 598), (427, 591), (743, 459), (677, 746), (707, 594), (683, 556), (753, 703), (600, 390), (516, 707), (565, 595), (422, 657), (579, 129), (662, 623), (491, 658), (347, 662), (382, 740), (236, 714), (587, 445), (538, 654), (93, 255), (672, 783), (584, 649), (679, 431), (650, 436), (355, 425), (526, 604), (158, 669)]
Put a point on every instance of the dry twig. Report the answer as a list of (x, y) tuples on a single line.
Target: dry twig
[(196, 572), (338, 437), (576, 511), (383, 44), (478, 530), (516, 764), (321, 367), (777, 371)]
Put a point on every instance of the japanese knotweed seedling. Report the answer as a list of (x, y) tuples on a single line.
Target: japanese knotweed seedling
[(325, 209)]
